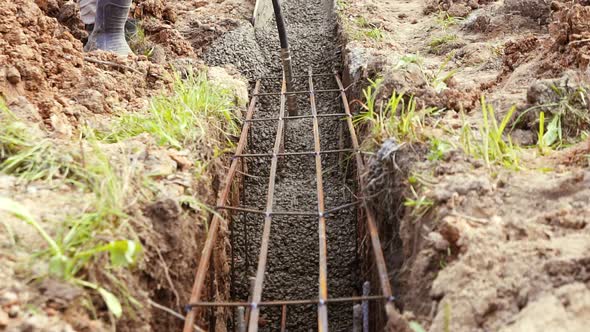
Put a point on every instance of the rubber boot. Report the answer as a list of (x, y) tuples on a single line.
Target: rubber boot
[(109, 27)]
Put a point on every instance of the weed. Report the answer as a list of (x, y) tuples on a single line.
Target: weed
[(541, 143), (361, 29), (31, 157), (572, 108), (438, 148), (66, 264), (435, 79), (198, 113), (552, 135), (490, 145), (362, 22), (437, 43), (342, 4), (375, 34), (445, 20), (27, 154), (408, 59), (139, 43), (570, 116), (398, 118), (420, 203)]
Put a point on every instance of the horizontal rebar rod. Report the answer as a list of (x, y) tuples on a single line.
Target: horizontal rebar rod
[(294, 92), (294, 76), (342, 207), (284, 154), (292, 302), (298, 117), (287, 213)]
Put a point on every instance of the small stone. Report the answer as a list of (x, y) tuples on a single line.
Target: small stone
[(14, 311), (522, 137), (92, 100), (181, 160), (13, 75), (7, 298), (160, 164), (438, 241), (459, 10)]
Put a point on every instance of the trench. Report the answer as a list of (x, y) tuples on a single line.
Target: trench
[(292, 268)]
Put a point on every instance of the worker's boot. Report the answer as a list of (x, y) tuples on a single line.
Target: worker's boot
[(109, 27)]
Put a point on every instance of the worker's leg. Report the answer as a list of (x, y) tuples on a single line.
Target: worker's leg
[(109, 26), (87, 11)]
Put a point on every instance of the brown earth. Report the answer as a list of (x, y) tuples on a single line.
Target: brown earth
[(494, 249), (51, 85)]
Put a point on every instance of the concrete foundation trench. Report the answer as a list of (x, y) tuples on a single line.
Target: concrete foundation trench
[(291, 271)]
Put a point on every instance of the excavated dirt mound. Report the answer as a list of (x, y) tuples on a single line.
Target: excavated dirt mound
[(55, 90), (45, 76)]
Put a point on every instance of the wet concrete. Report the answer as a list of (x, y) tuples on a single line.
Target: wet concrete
[(292, 269)]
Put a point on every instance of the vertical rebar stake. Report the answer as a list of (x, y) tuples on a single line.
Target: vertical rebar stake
[(240, 322), (356, 318), (365, 305)]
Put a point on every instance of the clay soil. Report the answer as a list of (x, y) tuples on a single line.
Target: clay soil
[(494, 248), (57, 91)]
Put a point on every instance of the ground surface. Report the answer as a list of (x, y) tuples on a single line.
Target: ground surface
[(477, 247), (58, 94)]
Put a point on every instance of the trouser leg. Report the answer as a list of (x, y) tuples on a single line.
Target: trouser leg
[(87, 11), (109, 27)]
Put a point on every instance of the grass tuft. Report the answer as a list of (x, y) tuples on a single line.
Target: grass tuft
[(198, 113), (398, 118), (139, 42), (490, 145), (446, 21), (437, 43), (30, 156)]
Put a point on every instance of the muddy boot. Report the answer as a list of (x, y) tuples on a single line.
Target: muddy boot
[(109, 27)]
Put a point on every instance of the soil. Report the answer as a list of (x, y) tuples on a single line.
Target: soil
[(49, 84), (495, 246)]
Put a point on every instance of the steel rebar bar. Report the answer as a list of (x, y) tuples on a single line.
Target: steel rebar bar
[(373, 232), (295, 92), (214, 226), (299, 117), (323, 268), (287, 154), (257, 292), (279, 303)]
